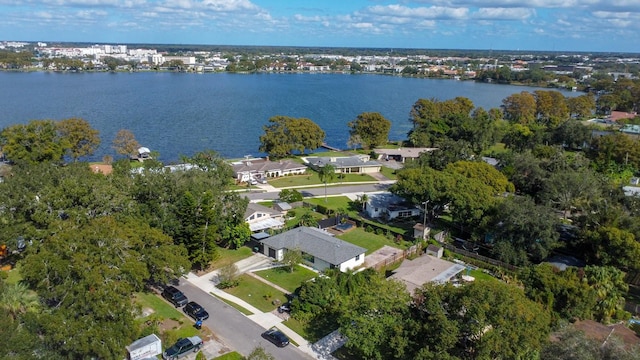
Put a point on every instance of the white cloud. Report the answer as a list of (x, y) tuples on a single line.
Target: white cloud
[(433, 12), (503, 13)]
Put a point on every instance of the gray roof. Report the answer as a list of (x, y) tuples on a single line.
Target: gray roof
[(404, 151), (254, 207), (317, 243), (283, 206), (343, 162), (264, 165)]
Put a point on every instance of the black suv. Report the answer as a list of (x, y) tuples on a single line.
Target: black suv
[(277, 337), (196, 311), (174, 296)]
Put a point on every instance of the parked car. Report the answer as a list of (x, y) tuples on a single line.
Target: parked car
[(182, 347), (174, 296), (276, 336), (284, 308), (196, 311)]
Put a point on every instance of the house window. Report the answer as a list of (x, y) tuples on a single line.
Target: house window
[(259, 215), (357, 257), (404, 213), (308, 258), (252, 217)]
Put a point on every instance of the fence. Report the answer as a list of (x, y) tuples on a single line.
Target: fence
[(485, 259), (413, 250)]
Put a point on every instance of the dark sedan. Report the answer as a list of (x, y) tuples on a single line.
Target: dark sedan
[(278, 338), (196, 311)]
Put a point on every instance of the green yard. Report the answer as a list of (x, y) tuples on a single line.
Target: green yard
[(285, 279), (312, 178), (368, 240), (336, 203), (229, 256), (230, 356), (388, 172), (257, 293), (162, 308), (481, 275)]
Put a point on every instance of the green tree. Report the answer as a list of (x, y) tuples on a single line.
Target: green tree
[(326, 173), (83, 140), (609, 287), (38, 141), (290, 195), (259, 353), (613, 246), (228, 276), (551, 108), (286, 135), (569, 189), (582, 107), (522, 231), (520, 108), (570, 343), (371, 129), (125, 143), (17, 299), (291, 259)]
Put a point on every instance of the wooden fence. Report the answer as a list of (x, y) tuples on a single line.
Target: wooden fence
[(414, 250), (485, 259)]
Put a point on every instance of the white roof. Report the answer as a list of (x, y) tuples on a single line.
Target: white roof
[(143, 150), (268, 223)]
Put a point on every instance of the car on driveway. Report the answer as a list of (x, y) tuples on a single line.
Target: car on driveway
[(196, 311), (182, 347), (277, 337), (174, 296)]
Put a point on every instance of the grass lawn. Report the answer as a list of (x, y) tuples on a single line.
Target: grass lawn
[(388, 172), (369, 241), (335, 203), (230, 356), (257, 293), (312, 178), (288, 280), (481, 276), (292, 222), (234, 305), (228, 256), (162, 308)]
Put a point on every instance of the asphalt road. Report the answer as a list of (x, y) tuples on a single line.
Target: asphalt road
[(234, 329), (319, 191)]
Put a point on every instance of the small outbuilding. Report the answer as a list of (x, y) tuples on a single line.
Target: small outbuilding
[(148, 347)]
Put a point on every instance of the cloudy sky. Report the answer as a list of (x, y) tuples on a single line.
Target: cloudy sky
[(570, 25)]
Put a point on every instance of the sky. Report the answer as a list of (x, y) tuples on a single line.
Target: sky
[(551, 25)]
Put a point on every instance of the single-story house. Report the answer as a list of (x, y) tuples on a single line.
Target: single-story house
[(261, 218), (401, 154), (319, 249), (357, 164), (417, 272), (250, 168), (282, 206), (390, 206)]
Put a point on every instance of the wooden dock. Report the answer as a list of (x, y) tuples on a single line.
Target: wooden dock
[(326, 146)]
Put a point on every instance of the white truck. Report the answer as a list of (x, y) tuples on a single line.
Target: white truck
[(149, 347)]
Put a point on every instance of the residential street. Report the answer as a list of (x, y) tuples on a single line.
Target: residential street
[(235, 329)]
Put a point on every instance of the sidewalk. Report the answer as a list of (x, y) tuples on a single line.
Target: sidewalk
[(267, 320)]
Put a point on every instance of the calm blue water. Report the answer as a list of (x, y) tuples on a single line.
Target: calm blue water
[(180, 114)]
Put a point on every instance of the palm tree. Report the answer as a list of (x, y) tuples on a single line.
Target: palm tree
[(364, 198), (326, 173), (18, 299)]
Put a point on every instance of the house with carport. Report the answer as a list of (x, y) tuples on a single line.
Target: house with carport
[(357, 164), (261, 218), (320, 250), (258, 168)]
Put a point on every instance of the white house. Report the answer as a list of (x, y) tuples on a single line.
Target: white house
[(390, 206), (358, 164), (262, 218), (250, 168), (320, 249)]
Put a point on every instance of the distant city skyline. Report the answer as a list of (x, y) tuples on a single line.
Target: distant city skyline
[(538, 25)]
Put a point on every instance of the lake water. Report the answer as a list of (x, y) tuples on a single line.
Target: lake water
[(180, 114)]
